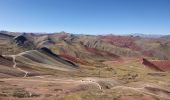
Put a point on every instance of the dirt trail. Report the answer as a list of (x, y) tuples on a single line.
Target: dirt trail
[(83, 81), (149, 89), (15, 64), (23, 71), (13, 59)]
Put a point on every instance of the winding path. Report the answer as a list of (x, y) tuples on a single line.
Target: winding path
[(13, 59), (15, 64)]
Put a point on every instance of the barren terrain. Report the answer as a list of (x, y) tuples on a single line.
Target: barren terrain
[(63, 66)]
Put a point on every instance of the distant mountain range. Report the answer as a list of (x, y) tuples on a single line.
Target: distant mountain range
[(148, 35), (83, 47)]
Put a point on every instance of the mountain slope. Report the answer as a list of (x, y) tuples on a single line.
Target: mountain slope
[(86, 49), (68, 66), (29, 63)]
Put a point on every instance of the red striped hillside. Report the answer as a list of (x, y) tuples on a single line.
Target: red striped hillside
[(159, 65)]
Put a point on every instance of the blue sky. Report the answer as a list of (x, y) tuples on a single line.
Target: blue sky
[(86, 16)]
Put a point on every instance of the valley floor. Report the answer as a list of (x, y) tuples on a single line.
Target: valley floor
[(118, 80)]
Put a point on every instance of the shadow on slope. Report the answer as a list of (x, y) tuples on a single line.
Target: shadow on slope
[(45, 58), (158, 65), (33, 63)]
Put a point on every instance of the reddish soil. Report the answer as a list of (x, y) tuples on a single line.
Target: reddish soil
[(100, 52), (126, 42), (159, 65), (74, 59), (148, 53), (121, 41)]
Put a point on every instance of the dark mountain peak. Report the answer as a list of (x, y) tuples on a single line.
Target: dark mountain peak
[(24, 41), (20, 40)]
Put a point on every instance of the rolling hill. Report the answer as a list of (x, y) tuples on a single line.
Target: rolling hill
[(66, 66)]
